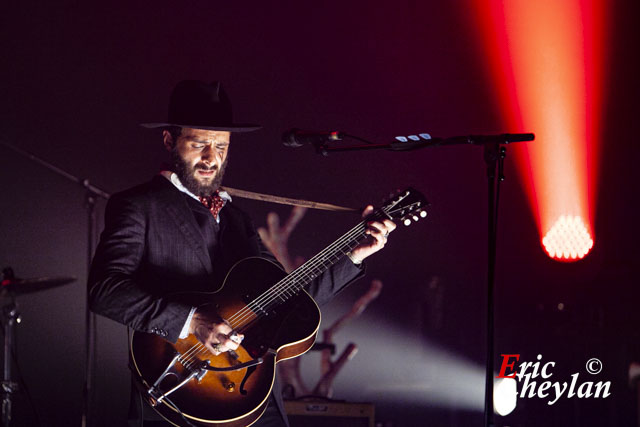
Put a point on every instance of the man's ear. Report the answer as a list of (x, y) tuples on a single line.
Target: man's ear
[(169, 143)]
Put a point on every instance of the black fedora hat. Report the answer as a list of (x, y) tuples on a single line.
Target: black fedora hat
[(198, 105)]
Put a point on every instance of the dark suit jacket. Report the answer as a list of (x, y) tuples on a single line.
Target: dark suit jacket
[(151, 250)]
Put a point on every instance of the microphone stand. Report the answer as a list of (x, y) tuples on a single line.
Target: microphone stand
[(10, 317), (92, 194), (494, 154)]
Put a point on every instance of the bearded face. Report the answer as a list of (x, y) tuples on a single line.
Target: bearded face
[(199, 158), (196, 177)]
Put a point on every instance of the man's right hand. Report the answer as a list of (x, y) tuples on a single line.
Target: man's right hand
[(212, 331)]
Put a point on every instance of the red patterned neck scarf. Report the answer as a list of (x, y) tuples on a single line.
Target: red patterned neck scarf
[(214, 203)]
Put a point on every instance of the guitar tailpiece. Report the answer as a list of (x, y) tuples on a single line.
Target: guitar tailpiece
[(155, 393)]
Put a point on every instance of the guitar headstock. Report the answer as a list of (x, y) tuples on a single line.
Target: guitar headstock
[(406, 206)]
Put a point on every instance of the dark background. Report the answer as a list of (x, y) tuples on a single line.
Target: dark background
[(76, 79)]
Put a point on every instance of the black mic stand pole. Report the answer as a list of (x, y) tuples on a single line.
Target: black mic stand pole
[(494, 154), (93, 193)]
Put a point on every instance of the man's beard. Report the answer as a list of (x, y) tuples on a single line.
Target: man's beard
[(187, 175)]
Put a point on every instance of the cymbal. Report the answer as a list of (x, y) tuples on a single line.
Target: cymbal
[(36, 284)]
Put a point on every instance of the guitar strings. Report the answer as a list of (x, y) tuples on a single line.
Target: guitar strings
[(196, 350), (289, 283), (190, 356), (289, 286), (307, 270)]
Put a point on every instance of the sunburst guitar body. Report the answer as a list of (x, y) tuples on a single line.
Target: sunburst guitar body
[(221, 398)]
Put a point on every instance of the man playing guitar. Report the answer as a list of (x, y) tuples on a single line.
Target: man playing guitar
[(180, 233)]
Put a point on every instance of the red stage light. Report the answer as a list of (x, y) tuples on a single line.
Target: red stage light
[(568, 239), (546, 57)]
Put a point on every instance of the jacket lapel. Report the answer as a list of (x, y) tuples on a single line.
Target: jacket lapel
[(233, 242), (176, 206)]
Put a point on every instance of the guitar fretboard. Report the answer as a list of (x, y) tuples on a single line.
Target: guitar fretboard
[(299, 278)]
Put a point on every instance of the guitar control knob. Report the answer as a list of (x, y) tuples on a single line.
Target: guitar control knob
[(230, 386)]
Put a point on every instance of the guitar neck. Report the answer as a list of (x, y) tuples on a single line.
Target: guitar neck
[(406, 206), (307, 272)]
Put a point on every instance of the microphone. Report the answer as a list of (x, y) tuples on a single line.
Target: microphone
[(297, 137)]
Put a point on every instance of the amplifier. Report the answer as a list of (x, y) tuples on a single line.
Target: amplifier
[(323, 413)]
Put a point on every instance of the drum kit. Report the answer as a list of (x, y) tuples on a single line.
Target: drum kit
[(10, 288)]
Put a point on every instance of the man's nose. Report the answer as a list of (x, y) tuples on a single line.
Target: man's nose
[(207, 154)]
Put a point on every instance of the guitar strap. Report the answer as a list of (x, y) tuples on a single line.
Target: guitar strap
[(285, 200)]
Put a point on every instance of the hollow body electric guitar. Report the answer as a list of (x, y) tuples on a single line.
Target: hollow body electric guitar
[(188, 385)]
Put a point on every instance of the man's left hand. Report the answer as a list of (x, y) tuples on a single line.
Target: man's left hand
[(379, 232)]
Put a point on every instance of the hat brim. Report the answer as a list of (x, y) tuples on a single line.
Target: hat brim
[(240, 127)]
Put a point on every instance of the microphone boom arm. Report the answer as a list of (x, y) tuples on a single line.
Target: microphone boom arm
[(323, 148)]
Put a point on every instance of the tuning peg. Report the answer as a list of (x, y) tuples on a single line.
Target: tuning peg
[(423, 214), (407, 222), (415, 218)]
